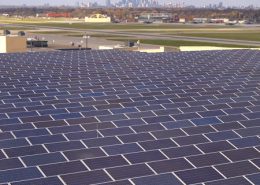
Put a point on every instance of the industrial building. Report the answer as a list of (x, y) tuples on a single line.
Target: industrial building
[(220, 20), (200, 20), (182, 20), (155, 17), (98, 18)]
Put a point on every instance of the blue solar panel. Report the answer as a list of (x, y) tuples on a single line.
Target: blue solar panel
[(166, 179), (42, 181), (117, 117), (246, 142), (19, 174)]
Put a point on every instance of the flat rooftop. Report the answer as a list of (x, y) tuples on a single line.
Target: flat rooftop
[(119, 118)]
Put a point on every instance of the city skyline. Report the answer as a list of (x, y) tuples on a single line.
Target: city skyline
[(187, 2)]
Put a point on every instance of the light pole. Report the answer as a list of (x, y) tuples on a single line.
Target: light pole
[(42, 41), (86, 37), (138, 44), (31, 44)]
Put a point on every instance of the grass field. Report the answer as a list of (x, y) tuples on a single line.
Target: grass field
[(251, 36), (54, 32), (66, 23), (14, 28), (106, 36), (78, 34), (123, 26), (178, 43)]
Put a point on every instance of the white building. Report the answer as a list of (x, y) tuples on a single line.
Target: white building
[(155, 17), (182, 20), (220, 20), (98, 18), (200, 20)]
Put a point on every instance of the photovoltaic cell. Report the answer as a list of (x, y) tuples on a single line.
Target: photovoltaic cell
[(166, 179), (170, 165), (43, 159), (207, 159), (105, 162), (42, 181), (242, 154), (142, 157), (26, 150), (19, 174), (231, 181), (199, 175), (10, 164), (129, 171), (63, 168), (90, 177), (121, 149), (63, 146), (255, 178), (237, 169), (84, 153)]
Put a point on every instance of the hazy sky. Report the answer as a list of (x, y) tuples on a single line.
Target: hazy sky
[(187, 2)]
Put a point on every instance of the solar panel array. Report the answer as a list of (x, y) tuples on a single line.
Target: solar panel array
[(119, 118)]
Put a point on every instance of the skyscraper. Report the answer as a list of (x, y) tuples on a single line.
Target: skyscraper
[(108, 3), (137, 3)]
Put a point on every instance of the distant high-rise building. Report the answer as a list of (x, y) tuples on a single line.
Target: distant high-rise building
[(220, 5), (77, 4), (138, 3), (108, 3)]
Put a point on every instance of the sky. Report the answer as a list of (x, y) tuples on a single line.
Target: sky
[(187, 2)]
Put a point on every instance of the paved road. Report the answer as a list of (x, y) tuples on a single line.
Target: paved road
[(152, 35)]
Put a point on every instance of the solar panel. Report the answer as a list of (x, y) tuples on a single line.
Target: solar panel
[(166, 179), (230, 181), (129, 171), (170, 165), (46, 158), (198, 175), (117, 117), (19, 174), (105, 162), (237, 169), (255, 178), (49, 180), (63, 168)]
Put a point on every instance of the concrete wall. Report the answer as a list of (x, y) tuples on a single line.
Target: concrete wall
[(209, 48), (2, 44), (145, 50), (152, 50), (12, 44), (105, 47)]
